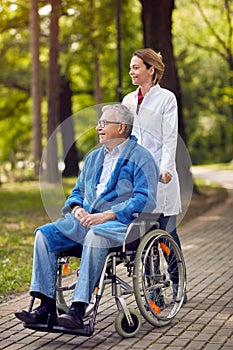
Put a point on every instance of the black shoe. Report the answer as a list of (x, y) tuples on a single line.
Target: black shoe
[(73, 319), (39, 316)]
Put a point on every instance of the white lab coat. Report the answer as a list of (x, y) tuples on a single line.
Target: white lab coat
[(156, 127)]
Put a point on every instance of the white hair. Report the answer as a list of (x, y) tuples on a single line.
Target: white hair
[(123, 114)]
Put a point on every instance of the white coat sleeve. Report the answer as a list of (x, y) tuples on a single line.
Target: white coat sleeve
[(170, 133)]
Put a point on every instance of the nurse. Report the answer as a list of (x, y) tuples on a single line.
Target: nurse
[(156, 128)]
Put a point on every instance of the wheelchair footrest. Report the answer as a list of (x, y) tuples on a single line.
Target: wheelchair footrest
[(85, 331)]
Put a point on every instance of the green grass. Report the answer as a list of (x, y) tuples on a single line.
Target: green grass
[(21, 211), (204, 185)]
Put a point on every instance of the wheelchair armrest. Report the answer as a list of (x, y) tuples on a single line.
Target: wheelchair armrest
[(142, 224)]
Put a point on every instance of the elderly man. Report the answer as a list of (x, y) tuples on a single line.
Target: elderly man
[(118, 180)]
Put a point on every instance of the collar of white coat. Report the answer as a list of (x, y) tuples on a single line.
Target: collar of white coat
[(155, 89)]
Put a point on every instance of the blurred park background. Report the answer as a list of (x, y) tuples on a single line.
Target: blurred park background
[(59, 57)]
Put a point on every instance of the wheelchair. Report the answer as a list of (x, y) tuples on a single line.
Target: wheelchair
[(155, 273)]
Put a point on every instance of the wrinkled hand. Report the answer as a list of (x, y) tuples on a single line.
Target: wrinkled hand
[(165, 177), (92, 219), (88, 220), (79, 213)]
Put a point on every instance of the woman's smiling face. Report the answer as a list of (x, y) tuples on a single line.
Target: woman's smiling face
[(139, 73)]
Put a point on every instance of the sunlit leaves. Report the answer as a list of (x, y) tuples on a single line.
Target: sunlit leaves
[(204, 55)]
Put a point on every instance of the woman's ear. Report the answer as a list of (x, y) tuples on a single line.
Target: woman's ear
[(152, 70)]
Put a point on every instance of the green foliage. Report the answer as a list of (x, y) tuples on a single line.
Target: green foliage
[(200, 41), (87, 142), (90, 32), (88, 38), (15, 121), (87, 32)]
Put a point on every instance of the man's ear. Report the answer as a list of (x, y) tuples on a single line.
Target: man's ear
[(122, 128)]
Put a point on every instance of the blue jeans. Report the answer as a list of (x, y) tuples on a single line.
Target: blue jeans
[(44, 272), (168, 223)]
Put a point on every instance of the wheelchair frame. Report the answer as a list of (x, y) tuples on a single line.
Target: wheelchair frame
[(150, 267)]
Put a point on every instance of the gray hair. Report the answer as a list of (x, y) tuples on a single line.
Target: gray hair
[(123, 114)]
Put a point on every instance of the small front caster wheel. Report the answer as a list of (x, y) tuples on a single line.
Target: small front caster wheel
[(122, 326)]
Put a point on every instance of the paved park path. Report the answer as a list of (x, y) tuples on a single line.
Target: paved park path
[(205, 322)]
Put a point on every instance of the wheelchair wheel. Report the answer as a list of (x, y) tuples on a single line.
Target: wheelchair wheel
[(122, 326), (159, 278)]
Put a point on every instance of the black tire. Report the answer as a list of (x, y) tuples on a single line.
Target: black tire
[(122, 326), (159, 278)]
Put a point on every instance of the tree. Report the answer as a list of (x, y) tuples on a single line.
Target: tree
[(15, 116), (70, 154), (53, 84), (36, 84), (95, 49), (203, 41), (222, 44), (88, 62), (157, 28)]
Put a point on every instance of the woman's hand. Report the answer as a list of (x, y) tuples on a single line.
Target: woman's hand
[(165, 177)]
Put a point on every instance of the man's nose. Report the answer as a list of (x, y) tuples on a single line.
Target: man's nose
[(98, 126)]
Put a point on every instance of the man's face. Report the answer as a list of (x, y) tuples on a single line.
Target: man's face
[(109, 133)]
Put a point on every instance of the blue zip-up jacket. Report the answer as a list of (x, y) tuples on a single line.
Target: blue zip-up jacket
[(131, 189)]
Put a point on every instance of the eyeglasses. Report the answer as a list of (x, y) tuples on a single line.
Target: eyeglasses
[(102, 123)]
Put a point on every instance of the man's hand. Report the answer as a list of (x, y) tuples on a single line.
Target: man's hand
[(97, 218), (79, 212)]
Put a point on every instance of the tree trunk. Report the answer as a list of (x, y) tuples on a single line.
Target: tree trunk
[(36, 85), (53, 93), (157, 27), (95, 50), (70, 153)]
